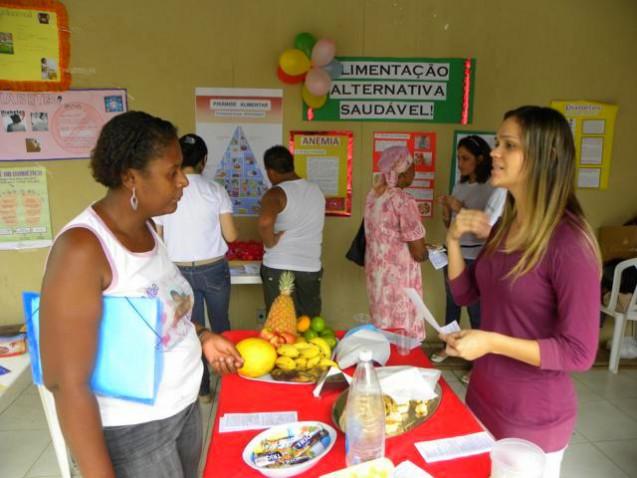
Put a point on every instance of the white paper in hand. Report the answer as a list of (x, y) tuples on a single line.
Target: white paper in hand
[(423, 313), (438, 258)]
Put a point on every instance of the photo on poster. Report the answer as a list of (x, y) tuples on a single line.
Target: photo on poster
[(39, 121), (592, 150), (33, 145), (114, 104), (48, 69), (6, 43), (13, 121), (588, 178)]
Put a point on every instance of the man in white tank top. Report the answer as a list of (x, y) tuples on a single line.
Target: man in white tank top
[(291, 227)]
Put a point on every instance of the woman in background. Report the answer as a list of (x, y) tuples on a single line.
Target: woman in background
[(196, 235), (111, 249), (395, 244), (538, 282), (473, 191)]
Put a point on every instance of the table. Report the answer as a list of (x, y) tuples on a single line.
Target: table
[(239, 395), (13, 383), (245, 272)]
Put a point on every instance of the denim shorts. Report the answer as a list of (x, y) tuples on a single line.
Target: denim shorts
[(168, 448)]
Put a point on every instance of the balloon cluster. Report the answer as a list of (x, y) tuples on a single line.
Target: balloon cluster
[(311, 62)]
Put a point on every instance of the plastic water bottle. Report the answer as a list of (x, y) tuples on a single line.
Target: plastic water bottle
[(364, 415)]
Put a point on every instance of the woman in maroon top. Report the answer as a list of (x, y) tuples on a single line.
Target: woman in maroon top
[(537, 280)]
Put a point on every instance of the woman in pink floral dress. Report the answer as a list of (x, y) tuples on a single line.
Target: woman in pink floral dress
[(395, 244)]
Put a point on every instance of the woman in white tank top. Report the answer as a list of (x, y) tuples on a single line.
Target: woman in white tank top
[(111, 249)]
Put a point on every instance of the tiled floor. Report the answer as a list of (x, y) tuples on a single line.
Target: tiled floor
[(604, 444)]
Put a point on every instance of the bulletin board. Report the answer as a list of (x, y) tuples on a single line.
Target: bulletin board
[(34, 46), (593, 126), (325, 158), (422, 146)]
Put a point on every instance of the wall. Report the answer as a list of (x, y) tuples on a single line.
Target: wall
[(527, 53)]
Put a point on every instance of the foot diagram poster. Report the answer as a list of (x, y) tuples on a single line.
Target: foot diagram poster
[(25, 221), (238, 125)]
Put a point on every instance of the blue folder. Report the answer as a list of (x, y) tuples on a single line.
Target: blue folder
[(129, 358)]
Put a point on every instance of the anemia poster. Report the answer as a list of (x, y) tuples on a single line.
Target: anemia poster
[(56, 125), (325, 158), (423, 149), (238, 125), (25, 221), (593, 126)]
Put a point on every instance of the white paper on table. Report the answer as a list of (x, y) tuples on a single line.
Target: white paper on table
[(404, 382), (331, 372), (350, 346), (455, 447), (234, 422), (423, 313), (408, 469)]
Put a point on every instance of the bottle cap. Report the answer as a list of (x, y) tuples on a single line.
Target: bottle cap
[(365, 355)]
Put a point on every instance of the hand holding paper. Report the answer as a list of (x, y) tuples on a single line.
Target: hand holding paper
[(468, 344)]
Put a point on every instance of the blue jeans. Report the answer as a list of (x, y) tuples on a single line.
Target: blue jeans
[(453, 310), (210, 283), (168, 448)]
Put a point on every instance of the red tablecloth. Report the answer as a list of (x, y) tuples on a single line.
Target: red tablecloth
[(239, 395)]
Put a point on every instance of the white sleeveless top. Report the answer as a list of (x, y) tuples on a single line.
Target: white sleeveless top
[(302, 219), (151, 274)]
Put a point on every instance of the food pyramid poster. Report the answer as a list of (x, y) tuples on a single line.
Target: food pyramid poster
[(239, 172)]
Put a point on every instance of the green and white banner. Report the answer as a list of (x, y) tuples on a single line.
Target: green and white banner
[(400, 89)]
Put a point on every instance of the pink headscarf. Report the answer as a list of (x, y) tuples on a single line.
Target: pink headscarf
[(394, 161)]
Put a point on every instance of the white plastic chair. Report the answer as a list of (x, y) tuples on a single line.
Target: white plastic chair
[(620, 313)]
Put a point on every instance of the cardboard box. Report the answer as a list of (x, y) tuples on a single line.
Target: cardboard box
[(618, 242)]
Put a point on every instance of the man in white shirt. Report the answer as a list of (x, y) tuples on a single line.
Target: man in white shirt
[(291, 227), (196, 235)]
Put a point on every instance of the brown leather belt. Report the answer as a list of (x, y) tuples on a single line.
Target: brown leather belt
[(203, 262)]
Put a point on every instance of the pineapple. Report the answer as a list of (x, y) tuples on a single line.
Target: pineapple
[(282, 316)]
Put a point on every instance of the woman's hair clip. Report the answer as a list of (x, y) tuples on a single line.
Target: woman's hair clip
[(188, 139)]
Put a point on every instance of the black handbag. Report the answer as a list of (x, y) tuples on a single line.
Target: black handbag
[(356, 252)]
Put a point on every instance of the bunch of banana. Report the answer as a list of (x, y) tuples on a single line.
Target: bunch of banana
[(304, 355)]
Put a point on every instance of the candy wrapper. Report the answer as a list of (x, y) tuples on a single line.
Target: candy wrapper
[(291, 447)]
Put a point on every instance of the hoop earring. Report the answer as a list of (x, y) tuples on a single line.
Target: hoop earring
[(134, 203)]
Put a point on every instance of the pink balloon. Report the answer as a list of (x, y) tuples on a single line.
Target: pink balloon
[(318, 82), (323, 52)]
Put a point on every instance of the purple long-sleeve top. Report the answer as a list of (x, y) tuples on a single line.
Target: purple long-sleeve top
[(557, 304)]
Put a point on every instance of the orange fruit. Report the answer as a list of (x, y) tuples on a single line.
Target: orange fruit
[(303, 323)]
